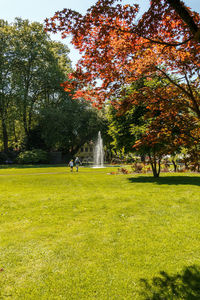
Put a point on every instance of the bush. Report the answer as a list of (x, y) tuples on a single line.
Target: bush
[(8, 157), (141, 168), (123, 171), (137, 167), (32, 157), (3, 157)]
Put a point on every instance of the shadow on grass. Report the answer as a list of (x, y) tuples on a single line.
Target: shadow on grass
[(30, 166), (170, 180), (185, 285)]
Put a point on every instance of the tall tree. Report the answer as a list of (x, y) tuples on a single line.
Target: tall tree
[(31, 69), (118, 50), (39, 66), (6, 71)]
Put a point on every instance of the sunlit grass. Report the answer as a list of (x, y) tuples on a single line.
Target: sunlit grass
[(90, 235)]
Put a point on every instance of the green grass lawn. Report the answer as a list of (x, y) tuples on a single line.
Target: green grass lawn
[(90, 235)]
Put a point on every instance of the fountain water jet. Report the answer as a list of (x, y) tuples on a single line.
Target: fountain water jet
[(99, 152)]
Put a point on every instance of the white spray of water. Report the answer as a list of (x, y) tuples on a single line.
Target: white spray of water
[(99, 152)]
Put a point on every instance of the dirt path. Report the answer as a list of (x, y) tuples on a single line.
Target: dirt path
[(34, 173)]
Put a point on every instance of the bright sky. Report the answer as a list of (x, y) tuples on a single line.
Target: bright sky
[(38, 10)]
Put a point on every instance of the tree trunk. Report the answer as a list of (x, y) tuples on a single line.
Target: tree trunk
[(5, 135), (175, 165), (74, 151), (155, 168), (156, 173), (184, 14)]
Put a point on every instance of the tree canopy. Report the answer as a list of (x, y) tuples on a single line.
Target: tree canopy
[(117, 49)]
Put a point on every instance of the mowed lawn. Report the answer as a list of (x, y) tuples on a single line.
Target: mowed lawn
[(91, 235)]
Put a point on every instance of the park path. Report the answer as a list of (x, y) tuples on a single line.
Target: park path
[(14, 174), (48, 173)]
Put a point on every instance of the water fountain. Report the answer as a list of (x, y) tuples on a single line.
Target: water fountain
[(99, 152)]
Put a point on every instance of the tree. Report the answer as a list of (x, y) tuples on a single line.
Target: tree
[(39, 66), (123, 117), (170, 126), (31, 69), (6, 71), (184, 14), (157, 123), (69, 125), (118, 50)]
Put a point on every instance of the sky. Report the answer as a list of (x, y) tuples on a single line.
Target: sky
[(38, 10)]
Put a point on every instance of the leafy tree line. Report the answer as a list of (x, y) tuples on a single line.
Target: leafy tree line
[(35, 112)]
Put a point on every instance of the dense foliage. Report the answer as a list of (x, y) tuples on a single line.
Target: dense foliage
[(118, 50), (33, 156), (35, 112)]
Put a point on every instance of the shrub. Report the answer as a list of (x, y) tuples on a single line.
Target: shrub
[(165, 169), (32, 157), (123, 171), (137, 167), (3, 157), (8, 157)]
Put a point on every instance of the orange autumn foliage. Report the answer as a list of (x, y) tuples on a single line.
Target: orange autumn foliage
[(117, 50)]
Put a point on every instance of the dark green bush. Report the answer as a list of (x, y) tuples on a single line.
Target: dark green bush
[(3, 157), (32, 157)]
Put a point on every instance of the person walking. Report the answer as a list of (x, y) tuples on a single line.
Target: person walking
[(71, 164), (77, 163)]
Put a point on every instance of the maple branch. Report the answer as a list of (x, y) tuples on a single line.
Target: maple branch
[(166, 43), (196, 107), (190, 96), (184, 14), (172, 81), (151, 40)]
